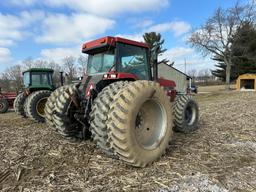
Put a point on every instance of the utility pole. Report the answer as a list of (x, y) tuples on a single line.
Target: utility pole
[(185, 63)]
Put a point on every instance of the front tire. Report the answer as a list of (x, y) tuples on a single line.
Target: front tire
[(186, 114), (36, 104), (4, 105), (19, 104), (140, 123)]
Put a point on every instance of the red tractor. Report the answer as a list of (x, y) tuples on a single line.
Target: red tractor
[(129, 111), (6, 100)]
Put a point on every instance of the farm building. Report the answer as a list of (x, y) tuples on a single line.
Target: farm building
[(246, 81), (181, 79)]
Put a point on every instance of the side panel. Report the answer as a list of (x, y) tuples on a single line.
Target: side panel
[(169, 87), (167, 72), (10, 97)]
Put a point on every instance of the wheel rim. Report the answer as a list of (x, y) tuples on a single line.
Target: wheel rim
[(150, 124), (40, 106), (190, 114)]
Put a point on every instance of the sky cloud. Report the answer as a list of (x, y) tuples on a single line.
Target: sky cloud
[(109, 7), (13, 28), (177, 53), (10, 27), (5, 55), (141, 23), (22, 2), (177, 27), (71, 29), (98, 7), (57, 54), (135, 37), (180, 55)]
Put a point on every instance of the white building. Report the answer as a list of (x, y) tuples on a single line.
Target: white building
[(181, 79)]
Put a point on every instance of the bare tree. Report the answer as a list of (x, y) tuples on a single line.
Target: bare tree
[(70, 68), (215, 36), (82, 64), (5, 83), (14, 73), (28, 63), (57, 69), (192, 73)]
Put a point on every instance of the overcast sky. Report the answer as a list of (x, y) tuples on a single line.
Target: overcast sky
[(53, 29)]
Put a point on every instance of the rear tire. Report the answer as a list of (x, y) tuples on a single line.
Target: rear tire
[(19, 104), (4, 105), (62, 119), (36, 104), (140, 123), (99, 115), (25, 106), (50, 105), (186, 114)]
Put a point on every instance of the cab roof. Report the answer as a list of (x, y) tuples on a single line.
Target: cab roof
[(111, 41), (39, 70)]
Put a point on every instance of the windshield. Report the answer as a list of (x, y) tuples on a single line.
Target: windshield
[(26, 78), (133, 60), (39, 79), (101, 62)]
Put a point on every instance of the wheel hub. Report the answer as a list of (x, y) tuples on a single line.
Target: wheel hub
[(150, 124), (190, 114), (40, 106)]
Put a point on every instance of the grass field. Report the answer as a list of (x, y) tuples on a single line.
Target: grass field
[(220, 156), (213, 88)]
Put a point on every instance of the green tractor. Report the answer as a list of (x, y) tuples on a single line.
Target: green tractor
[(38, 86)]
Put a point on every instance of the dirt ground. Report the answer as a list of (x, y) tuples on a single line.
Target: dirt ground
[(219, 157)]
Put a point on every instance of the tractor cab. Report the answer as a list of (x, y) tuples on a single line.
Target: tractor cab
[(115, 57), (38, 79)]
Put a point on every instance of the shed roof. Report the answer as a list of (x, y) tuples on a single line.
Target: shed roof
[(177, 70), (247, 76)]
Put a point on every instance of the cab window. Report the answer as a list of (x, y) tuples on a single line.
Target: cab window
[(133, 60)]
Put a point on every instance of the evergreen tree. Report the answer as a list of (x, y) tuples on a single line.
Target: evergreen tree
[(220, 70), (153, 39), (243, 51)]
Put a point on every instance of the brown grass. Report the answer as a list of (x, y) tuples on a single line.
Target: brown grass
[(213, 88)]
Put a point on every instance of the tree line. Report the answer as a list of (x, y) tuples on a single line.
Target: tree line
[(11, 79)]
